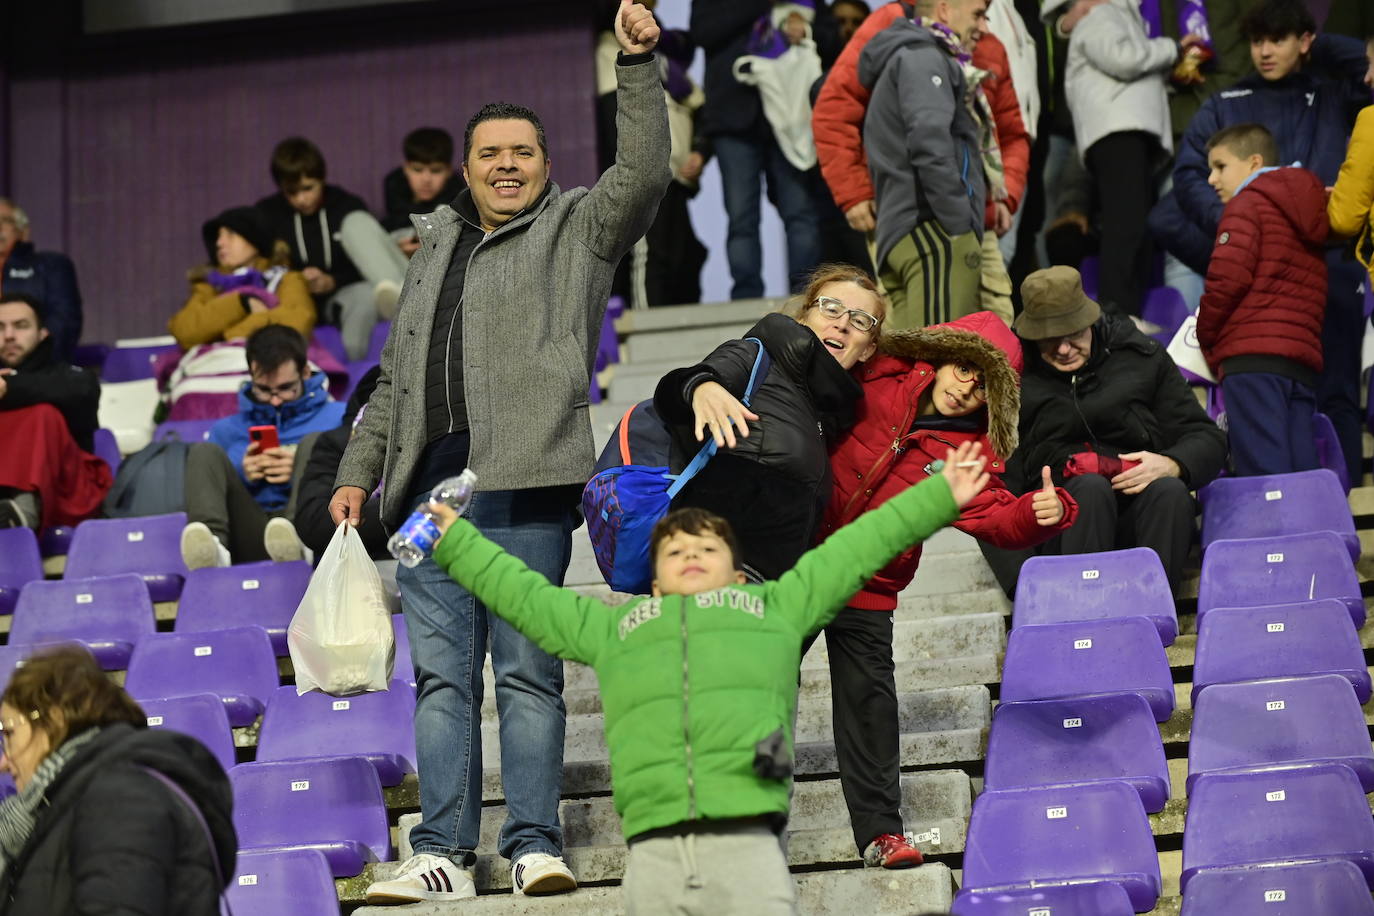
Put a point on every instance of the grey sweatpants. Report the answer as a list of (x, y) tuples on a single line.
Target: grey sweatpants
[(709, 870), (377, 258)]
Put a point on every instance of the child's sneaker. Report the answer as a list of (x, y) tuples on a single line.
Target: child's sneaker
[(892, 850), (424, 877), (387, 296), (540, 873), (281, 541), (200, 548)]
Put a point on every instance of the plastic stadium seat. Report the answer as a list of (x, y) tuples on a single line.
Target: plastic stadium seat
[(1304, 889), (1087, 657), (404, 667), (379, 726), (374, 348), (1166, 307), (108, 614), (1063, 834), (237, 665), (55, 541), (201, 716), (106, 448), (20, 564), (332, 804), (328, 337), (1284, 815), (128, 364), (284, 882), (1279, 640), (1329, 453), (1275, 505), (149, 546), (183, 430), (1279, 570), (263, 594), (1059, 900), (1095, 586), (1078, 740), (1287, 721)]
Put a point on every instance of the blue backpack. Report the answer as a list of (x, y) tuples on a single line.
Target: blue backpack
[(633, 486)]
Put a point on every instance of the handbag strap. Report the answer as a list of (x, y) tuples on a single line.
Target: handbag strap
[(708, 451), (625, 436), (190, 804)]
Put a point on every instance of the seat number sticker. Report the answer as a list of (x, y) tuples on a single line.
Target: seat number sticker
[(1090, 574), (1073, 723), (1275, 628), (340, 705), (1273, 706), (1275, 796), (1275, 896), (135, 536), (247, 880), (84, 598), (1271, 495), (1274, 558), (1082, 643), (300, 785), (1039, 911), (1056, 813), (250, 585), (154, 721), (204, 650)]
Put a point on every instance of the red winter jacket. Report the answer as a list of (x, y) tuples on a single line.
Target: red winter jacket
[(1266, 283), (838, 118), (880, 456)]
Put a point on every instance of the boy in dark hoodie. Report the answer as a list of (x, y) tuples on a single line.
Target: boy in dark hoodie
[(1260, 322)]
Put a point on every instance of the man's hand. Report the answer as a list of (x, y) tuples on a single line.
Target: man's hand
[(5, 385), (965, 471), (1049, 511), (273, 465), (863, 216), (348, 504), (1151, 468), (318, 281), (635, 28), (691, 169), (1002, 219), (719, 412), (409, 246)]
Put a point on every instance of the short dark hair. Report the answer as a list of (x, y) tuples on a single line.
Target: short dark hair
[(30, 301), (504, 111), (428, 145), (294, 160), (1246, 140), (274, 346), (63, 691), (1277, 19), (693, 521), (859, 3)]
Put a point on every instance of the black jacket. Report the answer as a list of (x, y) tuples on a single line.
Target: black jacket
[(50, 278), (316, 488), (400, 203), (113, 839), (803, 402), (1129, 397), (44, 379), (281, 219)]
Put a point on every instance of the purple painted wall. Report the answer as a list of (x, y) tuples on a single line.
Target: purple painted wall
[(119, 158)]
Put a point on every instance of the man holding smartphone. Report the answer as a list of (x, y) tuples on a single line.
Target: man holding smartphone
[(239, 484)]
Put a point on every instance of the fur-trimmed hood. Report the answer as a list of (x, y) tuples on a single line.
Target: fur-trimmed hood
[(981, 339)]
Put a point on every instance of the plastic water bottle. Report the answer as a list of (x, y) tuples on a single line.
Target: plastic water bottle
[(415, 539)]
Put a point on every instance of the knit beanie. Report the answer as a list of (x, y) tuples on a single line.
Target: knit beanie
[(247, 222)]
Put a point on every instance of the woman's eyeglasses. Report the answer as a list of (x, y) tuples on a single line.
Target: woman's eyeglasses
[(859, 320), (966, 373)]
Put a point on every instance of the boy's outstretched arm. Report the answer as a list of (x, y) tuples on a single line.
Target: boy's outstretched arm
[(558, 620), (828, 575)]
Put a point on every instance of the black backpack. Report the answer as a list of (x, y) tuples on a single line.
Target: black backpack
[(152, 481)]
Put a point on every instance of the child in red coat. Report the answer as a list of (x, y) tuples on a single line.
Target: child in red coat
[(1260, 321)]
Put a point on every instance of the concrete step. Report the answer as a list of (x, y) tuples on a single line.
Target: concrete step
[(685, 317), (686, 346)]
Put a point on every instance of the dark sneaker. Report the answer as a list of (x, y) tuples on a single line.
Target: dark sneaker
[(892, 850)]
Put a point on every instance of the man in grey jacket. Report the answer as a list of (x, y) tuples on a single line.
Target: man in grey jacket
[(926, 158), (487, 366)]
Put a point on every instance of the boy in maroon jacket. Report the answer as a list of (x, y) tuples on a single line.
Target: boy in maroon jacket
[(1260, 321)]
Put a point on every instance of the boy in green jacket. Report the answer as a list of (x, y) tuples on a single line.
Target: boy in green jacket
[(699, 683)]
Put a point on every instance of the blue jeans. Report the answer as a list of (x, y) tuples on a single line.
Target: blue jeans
[(449, 634), (742, 159)]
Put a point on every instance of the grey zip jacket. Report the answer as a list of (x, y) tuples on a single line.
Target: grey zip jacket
[(533, 301), (919, 136)]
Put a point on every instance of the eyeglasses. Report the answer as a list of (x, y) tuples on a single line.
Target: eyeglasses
[(833, 308), (7, 731), (285, 392), (966, 373)]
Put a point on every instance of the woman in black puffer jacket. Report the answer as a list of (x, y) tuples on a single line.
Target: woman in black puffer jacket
[(94, 827), (771, 479)]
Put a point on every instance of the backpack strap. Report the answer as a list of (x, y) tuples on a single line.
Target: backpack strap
[(708, 450), (625, 436)]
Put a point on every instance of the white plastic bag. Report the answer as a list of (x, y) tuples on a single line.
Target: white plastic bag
[(340, 638), (1187, 352)]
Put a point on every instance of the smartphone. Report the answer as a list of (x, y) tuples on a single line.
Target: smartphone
[(264, 436)]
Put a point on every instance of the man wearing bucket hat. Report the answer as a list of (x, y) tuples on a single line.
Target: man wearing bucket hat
[(1107, 410)]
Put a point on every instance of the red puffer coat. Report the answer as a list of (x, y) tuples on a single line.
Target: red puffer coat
[(881, 455), (1266, 283)]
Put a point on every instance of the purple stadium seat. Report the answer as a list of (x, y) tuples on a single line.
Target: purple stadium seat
[(1278, 570), (1088, 270), (237, 665), (379, 726), (1078, 740), (1164, 306), (1059, 900), (90, 355), (1285, 815), (284, 882), (332, 804), (1275, 505), (107, 449), (128, 364), (1096, 586), (1279, 640), (108, 614), (1122, 655), (149, 546), (183, 430), (20, 564), (374, 349), (327, 337), (1334, 888), (201, 716), (55, 541), (263, 594), (404, 667), (1329, 454), (1286, 721), (1063, 835)]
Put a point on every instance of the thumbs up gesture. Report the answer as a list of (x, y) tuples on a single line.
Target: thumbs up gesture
[(1049, 511), (635, 28)]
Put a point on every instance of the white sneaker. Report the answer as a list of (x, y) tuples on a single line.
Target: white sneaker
[(281, 542), (540, 873), (387, 295), (424, 877), (200, 548)]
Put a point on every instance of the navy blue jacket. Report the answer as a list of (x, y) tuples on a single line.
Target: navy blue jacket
[(1310, 114), (51, 279)]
